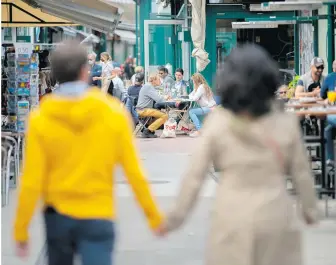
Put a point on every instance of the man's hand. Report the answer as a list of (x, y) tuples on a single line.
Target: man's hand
[(177, 104), (317, 91), (95, 78), (22, 249)]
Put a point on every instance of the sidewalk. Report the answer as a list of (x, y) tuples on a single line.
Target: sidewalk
[(165, 161)]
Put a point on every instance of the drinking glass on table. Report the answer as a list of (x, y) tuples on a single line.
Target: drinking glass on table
[(332, 97)]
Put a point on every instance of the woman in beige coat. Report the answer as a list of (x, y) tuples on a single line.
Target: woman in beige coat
[(254, 146)]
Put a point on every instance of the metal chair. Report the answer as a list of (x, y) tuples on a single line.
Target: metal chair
[(143, 122), (6, 173), (16, 157)]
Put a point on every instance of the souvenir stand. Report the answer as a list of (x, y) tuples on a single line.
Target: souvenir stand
[(21, 93)]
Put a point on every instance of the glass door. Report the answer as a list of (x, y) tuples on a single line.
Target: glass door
[(164, 46)]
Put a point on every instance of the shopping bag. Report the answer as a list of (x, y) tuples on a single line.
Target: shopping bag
[(185, 126), (169, 130)]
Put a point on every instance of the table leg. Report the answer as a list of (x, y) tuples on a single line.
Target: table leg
[(323, 155)]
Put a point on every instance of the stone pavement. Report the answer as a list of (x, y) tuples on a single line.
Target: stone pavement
[(165, 160)]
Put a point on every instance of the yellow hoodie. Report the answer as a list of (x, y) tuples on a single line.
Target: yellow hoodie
[(72, 147)]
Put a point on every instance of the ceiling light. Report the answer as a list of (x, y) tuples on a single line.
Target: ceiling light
[(254, 25)]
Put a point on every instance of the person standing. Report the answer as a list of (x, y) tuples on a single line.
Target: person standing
[(119, 90), (107, 67), (129, 68), (74, 141), (95, 70), (253, 220)]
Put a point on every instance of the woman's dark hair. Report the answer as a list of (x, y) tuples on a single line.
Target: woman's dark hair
[(179, 70), (248, 80)]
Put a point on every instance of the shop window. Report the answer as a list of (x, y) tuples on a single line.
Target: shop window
[(22, 31), (7, 33)]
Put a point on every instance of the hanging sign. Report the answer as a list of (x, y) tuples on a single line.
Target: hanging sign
[(23, 48)]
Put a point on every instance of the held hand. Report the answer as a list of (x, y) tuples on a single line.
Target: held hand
[(161, 231), (22, 249), (177, 104), (308, 219)]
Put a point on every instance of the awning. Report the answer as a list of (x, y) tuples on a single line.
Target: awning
[(127, 7), (88, 37), (16, 13), (96, 14), (126, 35)]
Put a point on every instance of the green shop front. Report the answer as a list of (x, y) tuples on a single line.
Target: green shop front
[(291, 37)]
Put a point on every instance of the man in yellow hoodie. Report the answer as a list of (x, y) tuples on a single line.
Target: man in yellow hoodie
[(73, 143)]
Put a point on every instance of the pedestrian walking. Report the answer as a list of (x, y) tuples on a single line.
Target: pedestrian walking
[(74, 142), (254, 146)]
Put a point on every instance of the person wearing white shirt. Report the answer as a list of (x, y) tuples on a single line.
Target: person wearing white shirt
[(106, 72), (202, 94), (119, 90)]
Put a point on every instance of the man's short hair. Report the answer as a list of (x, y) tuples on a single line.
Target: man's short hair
[(179, 70), (163, 69), (67, 61)]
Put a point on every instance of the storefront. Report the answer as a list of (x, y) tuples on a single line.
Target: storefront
[(291, 37), (25, 55)]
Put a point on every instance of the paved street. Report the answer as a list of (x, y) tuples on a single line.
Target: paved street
[(165, 160)]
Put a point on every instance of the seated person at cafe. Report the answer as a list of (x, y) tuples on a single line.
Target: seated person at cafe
[(178, 91), (202, 94), (147, 96), (329, 85), (309, 84), (166, 79), (282, 91), (133, 95), (180, 87)]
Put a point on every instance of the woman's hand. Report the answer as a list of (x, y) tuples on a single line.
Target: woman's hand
[(308, 219), (161, 231)]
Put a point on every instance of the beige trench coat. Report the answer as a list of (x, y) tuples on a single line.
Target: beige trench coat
[(253, 219)]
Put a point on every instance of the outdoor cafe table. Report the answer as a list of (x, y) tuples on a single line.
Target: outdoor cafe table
[(321, 114)]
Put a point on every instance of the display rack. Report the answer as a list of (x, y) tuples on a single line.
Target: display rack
[(22, 89)]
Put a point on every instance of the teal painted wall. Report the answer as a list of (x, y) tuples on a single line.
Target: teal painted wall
[(226, 12), (161, 45)]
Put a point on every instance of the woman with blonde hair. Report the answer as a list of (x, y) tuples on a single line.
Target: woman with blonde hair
[(107, 67), (138, 69), (203, 95)]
